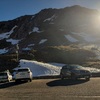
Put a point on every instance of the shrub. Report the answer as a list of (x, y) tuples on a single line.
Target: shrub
[(64, 54)]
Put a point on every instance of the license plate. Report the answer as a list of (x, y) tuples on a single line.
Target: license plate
[(22, 74)]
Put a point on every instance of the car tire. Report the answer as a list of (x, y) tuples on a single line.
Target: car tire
[(87, 78), (73, 76), (30, 80), (62, 77), (17, 81)]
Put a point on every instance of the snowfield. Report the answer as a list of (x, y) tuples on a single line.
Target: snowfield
[(46, 69), (40, 68)]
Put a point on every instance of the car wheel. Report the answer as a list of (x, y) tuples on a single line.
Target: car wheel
[(73, 76), (17, 81), (30, 80), (62, 77), (87, 78)]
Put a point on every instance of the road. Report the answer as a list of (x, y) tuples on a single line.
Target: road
[(51, 89)]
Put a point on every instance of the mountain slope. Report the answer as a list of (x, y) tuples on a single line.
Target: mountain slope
[(51, 27)]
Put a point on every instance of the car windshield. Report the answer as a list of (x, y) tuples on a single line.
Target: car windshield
[(76, 67)]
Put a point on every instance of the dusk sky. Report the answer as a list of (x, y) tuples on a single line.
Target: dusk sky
[(11, 9)]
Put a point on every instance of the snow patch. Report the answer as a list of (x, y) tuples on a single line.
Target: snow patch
[(61, 29), (13, 41), (31, 45), (27, 48), (42, 41), (88, 37), (7, 34), (35, 29), (32, 17), (50, 19), (70, 38), (3, 51)]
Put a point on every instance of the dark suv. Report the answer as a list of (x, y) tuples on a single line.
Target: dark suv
[(74, 72)]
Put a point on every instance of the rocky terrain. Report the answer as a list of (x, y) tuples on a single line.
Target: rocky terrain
[(62, 35)]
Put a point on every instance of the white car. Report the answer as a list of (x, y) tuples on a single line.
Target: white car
[(23, 74), (5, 76)]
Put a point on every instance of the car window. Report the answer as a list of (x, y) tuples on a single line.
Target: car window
[(3, 74), (22, 70), (65, 67), (76, 67)]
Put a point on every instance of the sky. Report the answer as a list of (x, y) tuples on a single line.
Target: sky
[(11, 9)]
